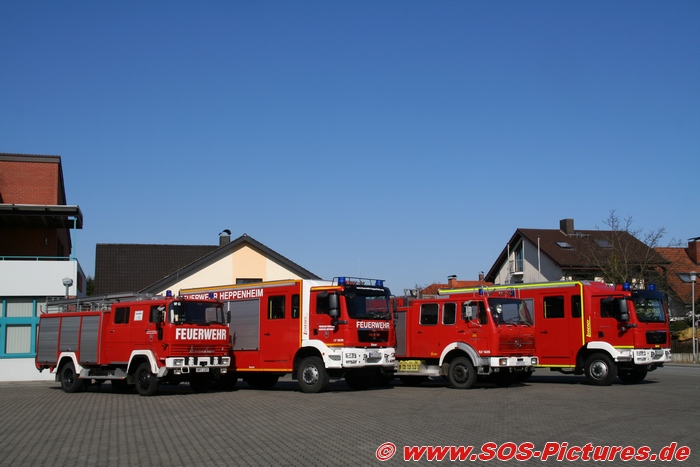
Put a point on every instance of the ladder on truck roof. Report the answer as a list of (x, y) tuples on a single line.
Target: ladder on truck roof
[(94, 302)]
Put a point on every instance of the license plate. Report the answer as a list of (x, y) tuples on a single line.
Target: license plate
[(202, 369), (374, 354)]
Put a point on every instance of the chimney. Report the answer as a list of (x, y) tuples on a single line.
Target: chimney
[(567, 226), (224, 237), (694, 249), (481, 277), (451, 281)]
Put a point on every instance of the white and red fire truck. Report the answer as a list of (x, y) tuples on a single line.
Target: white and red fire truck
[(315, 330), (464, 337), (590, 328), (140, 340)]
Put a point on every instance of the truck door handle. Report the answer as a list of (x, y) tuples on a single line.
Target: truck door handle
[(461, 331), (267, 334), (544, 332)]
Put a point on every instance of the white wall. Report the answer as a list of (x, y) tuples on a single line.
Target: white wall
[(37, 278), (22, 369)]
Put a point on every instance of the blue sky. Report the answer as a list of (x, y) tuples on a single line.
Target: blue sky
[(405, 140)]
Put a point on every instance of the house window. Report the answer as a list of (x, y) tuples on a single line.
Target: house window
[(519, 258), (249, 280), (18, 339), (19, 308)]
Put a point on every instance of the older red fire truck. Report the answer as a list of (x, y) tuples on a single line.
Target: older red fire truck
[(462, 337), (594, 329), (128, 339), (315, 330)]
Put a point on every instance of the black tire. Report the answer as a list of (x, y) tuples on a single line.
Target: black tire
[(599, 369), (70, 380), (201, 383), (382, 379), (227, 381), (632, 376), (358, 381), (146, 381), (522, 376), (461, 373), (262, 380), (413, 381), (312, 375)]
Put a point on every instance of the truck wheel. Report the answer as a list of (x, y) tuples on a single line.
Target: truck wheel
[(461, 373), (262, 380), (312, 375), (633, 376), (146, 381), (600, 370), (70, 382), (227, 381), (201, 383)]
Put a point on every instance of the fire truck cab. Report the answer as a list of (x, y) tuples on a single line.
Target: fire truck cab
[(463, 336), (601, 331), (139, 340), (313, 330)]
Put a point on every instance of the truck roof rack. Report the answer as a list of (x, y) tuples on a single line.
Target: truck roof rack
[(94, 302)]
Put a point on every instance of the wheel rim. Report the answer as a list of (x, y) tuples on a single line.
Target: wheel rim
[(144, 380), (310, 374), (599, 370), (69, 377), (460, 373)]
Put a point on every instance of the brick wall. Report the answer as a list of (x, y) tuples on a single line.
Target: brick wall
[(30, 182)]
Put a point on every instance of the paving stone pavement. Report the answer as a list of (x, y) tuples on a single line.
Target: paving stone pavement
[(43, 426)]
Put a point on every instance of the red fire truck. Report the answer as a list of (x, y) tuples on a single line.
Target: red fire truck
[(315, 330), (461, 337), (138, 340), (598, 330)]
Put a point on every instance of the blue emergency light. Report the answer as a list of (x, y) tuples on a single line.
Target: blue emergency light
[(341, 281), (652, 287), (169, 293), (379, 283), (211, 295), (626, 286)]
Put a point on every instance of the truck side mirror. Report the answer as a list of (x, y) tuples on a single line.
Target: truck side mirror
[(467, 313), (624, 310), (228, 317), (333, 309)]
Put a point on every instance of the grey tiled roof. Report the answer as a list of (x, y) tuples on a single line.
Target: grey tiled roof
[(131, 267)]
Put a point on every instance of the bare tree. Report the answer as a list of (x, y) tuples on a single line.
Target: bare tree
[(625, 254)]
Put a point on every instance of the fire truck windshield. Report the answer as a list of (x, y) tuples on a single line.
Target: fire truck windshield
[(368, 303), (649, 310), (510, 311), (189, 312)]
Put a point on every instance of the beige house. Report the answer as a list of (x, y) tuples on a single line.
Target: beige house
[(159, 268)]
